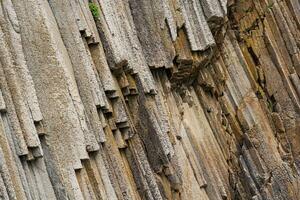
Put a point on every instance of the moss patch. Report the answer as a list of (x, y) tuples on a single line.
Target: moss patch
[(94, 9)]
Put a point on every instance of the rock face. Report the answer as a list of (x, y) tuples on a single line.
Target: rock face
[(149, 99)]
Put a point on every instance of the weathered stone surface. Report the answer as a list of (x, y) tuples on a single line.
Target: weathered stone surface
[(149, 99)]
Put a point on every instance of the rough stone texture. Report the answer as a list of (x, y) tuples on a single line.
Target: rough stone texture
[(150, 99)]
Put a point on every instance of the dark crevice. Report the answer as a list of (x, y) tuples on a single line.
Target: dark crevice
[(253, 56)]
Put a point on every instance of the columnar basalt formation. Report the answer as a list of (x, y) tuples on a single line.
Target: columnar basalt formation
[(149, 99)]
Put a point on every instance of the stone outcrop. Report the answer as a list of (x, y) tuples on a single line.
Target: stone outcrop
[(149, 99)]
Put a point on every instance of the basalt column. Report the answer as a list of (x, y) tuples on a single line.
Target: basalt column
[(149, 99)]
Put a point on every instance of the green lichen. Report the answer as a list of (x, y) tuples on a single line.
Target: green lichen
[(94, 10), (260, 93), (270, 5)]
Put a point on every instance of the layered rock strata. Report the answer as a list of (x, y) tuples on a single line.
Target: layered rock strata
[(149, 99)]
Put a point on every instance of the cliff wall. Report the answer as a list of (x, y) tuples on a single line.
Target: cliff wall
[(149, 99)]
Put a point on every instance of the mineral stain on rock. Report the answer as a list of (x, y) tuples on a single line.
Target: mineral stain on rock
[(149, 99)]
